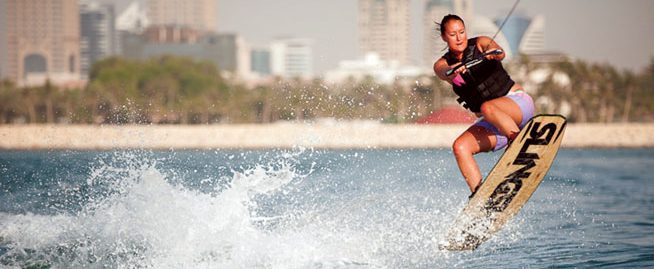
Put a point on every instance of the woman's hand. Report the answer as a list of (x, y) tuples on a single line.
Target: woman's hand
[(493, 56), (455, 77), (442, 70), (486, 44), (459, 70)]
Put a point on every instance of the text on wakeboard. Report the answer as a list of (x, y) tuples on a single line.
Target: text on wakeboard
[(508, 189)]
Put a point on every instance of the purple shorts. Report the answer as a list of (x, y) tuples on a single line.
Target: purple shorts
[(526, 105)]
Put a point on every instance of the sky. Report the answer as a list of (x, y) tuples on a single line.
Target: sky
[(618, 32)]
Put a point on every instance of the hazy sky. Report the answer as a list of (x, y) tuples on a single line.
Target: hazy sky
[(614, 31)]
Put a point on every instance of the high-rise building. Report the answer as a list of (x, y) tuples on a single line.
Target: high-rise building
[(484, 26), (196, 14), (98, 34), (42, 41), (435, 10), (525, 34), (291, 57), (384, 28), (520, 34)]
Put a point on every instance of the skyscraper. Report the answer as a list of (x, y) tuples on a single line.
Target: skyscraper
[(435, 10), (98, 34), (520, 34), (485, 26), (196, 14), (41, 41), (525, 34), (384, 29)]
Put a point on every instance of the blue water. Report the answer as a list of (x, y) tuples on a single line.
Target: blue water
[(308, 208)]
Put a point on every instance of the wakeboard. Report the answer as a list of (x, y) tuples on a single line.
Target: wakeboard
[(509, 184)]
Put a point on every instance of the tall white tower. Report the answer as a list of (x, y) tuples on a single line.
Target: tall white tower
[(533, 41), (486, 27), (384, 29)]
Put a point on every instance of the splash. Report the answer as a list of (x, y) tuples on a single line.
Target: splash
[(137, 218), (297, 209)]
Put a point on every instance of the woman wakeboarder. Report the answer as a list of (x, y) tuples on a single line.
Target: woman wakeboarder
[(485, 88)]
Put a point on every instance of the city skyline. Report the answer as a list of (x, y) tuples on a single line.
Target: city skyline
[(335, 32), (355, 35)]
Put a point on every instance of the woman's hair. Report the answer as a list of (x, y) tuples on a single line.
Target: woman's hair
[(447, 18)]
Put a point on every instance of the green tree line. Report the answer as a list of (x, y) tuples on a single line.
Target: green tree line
[(177, 90), (601, 93)]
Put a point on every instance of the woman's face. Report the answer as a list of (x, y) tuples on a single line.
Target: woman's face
[(455, 35)]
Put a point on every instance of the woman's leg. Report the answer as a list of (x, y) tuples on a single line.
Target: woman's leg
[(503, 113), (474, 140)]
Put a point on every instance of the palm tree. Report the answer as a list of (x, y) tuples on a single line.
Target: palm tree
[(629, 83), (9, 101)]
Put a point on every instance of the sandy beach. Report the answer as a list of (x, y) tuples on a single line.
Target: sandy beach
[(335, 135)]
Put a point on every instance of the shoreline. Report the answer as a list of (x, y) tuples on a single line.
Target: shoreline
[(337, 135)]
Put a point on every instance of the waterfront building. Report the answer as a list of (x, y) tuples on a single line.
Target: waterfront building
[(384, 29), (525, 34), (98, 34), (40, 42), (229, 52)]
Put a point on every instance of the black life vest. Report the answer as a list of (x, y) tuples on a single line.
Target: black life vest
[(485, 81)]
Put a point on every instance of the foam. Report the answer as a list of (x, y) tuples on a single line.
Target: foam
[(268, 215)]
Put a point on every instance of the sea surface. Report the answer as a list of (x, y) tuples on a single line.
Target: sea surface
[(306, 208)]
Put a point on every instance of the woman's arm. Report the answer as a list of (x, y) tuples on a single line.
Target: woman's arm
[(441, 67), (485, 44)]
